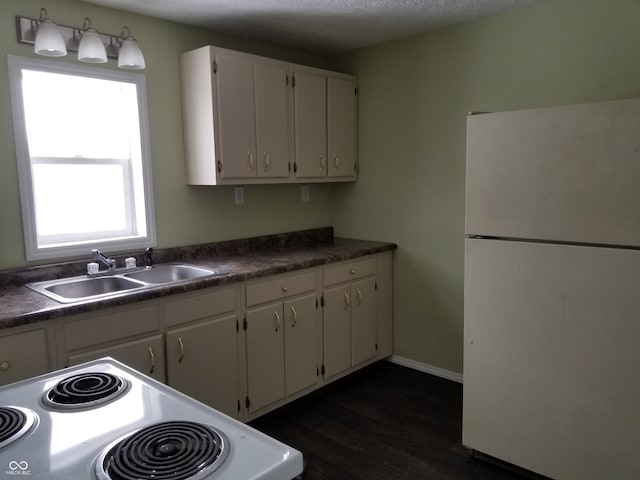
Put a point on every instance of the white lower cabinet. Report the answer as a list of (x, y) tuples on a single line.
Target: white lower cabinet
[(364, 323), (265, 356), (299, 331), (337, 330), (350, 322), (131, 335), (301, 339), (145, 355), (189, 342), (384, 303), (282, 357), (26, 352), (282, 339), (201, 334), (202, 362)]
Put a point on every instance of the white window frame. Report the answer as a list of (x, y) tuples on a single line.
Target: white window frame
[(79, 245)]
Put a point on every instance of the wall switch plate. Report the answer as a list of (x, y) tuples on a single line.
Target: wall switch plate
[(305, 194), (239, 195)]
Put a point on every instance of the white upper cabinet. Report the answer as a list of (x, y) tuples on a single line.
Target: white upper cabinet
[(341, 127), (273, 103), (250, 119), (236, 116), (325, 124), (310, 119)]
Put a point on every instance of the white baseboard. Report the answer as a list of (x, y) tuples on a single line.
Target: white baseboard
[(423, 367)]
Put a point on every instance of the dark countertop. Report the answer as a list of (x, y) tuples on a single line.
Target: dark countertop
[(234, 260)]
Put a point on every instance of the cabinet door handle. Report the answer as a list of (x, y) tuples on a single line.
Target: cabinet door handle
[(181, 349), (285, 289), (359, 294), (294, 317), (322, 160), (267, 162), (336, 162), (347, 301), (277, 320), (152, 361), (250, 159), (4, 366), (353, 271)]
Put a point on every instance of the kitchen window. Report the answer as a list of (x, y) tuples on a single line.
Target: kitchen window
[(84, 166)]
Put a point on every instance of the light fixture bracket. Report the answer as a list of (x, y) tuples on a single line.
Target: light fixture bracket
[(26, 29)]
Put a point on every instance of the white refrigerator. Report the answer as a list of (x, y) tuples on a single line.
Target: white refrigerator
[(552, 289)]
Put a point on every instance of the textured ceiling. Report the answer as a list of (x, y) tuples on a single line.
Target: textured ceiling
[(319, 26)]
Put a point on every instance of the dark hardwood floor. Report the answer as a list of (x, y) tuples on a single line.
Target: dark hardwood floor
[(386, 422)]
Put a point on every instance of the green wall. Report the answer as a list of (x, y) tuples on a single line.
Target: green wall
[(185, 215), (414, 97)]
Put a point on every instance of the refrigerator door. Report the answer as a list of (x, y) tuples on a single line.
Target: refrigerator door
[(566, 173), (551, 356)]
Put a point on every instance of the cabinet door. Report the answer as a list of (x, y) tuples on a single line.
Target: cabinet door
[(23, 355), (384, 304), (310, 118), (341, 127), (300, 353), (145, 355), (364, 322), (265, 355), (272, 113), (202, 362), (337, 330), (236, 116)]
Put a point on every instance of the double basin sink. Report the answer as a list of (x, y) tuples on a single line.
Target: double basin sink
[(110, 284)]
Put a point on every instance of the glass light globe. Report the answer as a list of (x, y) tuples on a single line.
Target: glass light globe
[(91, 49), (130, 56), (49, 41)]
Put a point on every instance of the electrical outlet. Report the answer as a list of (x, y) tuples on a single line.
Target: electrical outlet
[(239, 195), (305, 193)]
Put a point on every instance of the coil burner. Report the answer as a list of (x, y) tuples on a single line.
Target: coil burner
[(14, 423), (85, 390), (176, 450)]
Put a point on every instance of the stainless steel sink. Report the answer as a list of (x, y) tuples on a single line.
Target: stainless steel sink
[(115, 283), (168, 273), (78, 289)]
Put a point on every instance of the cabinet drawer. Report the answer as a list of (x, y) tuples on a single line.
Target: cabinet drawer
[(145, 355), (349, 271), (108, 328), (280, 288), (200, 305)]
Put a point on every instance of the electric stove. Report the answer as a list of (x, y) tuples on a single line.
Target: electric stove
[(103, 420)]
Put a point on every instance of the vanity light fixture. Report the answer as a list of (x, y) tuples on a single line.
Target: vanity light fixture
[(49, 41), (92, 46)]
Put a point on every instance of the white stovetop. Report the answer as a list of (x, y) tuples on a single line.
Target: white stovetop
[(65, 444)]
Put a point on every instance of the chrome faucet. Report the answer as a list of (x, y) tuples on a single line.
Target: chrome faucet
[(99, 256)]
